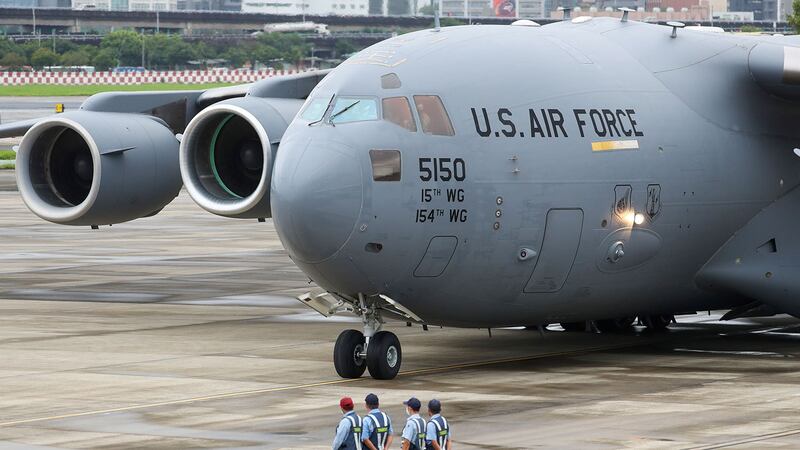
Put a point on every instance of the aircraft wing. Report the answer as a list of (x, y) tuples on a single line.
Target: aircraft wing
[(176, 108), (126, 155), (18, 128), (760, 260)]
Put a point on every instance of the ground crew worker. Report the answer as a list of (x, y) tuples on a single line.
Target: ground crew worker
[(437, 436), (414, 432), (376, 433), (348, 433)]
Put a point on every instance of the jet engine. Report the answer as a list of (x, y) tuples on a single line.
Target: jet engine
[(227, 152), (98, 168)]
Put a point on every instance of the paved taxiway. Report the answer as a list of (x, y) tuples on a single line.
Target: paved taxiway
[(23, 108), (180, 331)]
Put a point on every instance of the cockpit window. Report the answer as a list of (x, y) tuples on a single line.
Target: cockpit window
[(398, 111), (433, 116), (315, 109), (353, 109), (385, 165)]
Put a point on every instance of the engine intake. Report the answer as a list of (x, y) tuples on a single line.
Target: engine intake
[(227, 152), (92, 168)]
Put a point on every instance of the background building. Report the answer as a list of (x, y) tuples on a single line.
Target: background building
[(761, 9), (93, 4), (152, 5), (466, 8), (532, 8), (35, 3), (312, 7), (210, 5)]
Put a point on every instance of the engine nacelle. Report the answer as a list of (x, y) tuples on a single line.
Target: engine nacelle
[(227, 152), (97, 168)]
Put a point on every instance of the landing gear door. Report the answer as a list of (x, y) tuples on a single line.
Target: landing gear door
[(562, 235)]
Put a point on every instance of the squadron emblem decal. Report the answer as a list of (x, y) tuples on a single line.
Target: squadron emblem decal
[(653, 207), (622, 202)]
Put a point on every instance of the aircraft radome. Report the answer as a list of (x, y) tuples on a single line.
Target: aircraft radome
[(476, 176)]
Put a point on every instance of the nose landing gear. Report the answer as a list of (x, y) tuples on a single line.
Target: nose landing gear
[(376, 350)]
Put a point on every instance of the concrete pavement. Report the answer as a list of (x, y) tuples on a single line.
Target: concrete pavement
[(181, 331)]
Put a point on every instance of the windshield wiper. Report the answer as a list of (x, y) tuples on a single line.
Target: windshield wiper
[(343, 110), (327, 107)]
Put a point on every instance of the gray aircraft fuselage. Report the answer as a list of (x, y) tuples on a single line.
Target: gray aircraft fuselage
[(565, 137)]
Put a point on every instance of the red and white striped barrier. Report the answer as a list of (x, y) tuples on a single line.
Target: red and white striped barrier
[(147, 77)]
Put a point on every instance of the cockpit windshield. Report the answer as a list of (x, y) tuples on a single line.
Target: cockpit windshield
[(315, 109), (398, 111), (353, 109), (433, 116)]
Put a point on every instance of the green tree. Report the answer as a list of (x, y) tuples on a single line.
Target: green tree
[(281, 46), (450, 22), (426, 10), (267, 55), (236, 56), (77, 57), (181, 51), (157, 50), (167, 51), (28, 48), (794, 17), (43, 57), (125, 46), (13, 61), (344, 47), (104, 60), (8, 46), (63, 46)]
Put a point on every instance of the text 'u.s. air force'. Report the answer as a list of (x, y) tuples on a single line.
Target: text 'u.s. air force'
[(553, 123)]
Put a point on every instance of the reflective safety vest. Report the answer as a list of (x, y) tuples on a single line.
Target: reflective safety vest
[(419, 442), (380, 429), (353, 439), (442, 432)]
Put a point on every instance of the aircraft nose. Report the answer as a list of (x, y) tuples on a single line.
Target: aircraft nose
[(316, 196)]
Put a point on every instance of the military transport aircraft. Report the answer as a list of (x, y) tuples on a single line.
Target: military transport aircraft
[(595, 169)]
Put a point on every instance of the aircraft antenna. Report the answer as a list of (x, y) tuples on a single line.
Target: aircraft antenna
[(437, 26), (625, 12), (675, 26)]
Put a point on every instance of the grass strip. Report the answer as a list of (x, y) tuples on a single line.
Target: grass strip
[(57, 90)]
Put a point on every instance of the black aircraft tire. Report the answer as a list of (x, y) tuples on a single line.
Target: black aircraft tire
[(345, 354), (657, 322), (618, 325), (384, 356), (573, 326)]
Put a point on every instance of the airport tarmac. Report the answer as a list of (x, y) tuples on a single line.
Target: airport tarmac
[(24, 108), (181, 331)]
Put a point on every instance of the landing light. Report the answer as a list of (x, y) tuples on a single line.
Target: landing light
[(634, 218)]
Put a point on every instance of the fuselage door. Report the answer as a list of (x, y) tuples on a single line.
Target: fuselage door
[(562, 236)]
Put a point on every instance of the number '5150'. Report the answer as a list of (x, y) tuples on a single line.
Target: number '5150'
[(442, 169)]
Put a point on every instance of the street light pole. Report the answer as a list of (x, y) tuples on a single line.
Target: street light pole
[(33, 10)]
